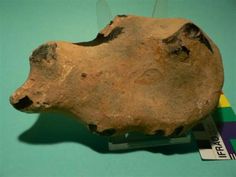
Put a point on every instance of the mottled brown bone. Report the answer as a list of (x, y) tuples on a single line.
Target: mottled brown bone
[(139, 74)]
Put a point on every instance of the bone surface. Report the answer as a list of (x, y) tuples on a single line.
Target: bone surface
[(155, 76)]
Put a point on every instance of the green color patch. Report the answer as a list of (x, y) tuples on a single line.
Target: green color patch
[(224, 115), (233, 143)]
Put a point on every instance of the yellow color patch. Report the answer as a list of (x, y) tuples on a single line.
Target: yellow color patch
[(223, 102)]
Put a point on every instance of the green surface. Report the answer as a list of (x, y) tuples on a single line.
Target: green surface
[(51, 144), (224, 115), (233, 143)]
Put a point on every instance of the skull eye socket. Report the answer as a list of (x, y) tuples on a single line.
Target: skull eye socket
[(193, 32), (179, 50), (45, 60), (45, 52), (175, 43), (181, 53), (176, 50)]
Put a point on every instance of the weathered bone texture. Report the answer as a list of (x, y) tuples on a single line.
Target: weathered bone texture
[(156, 76)]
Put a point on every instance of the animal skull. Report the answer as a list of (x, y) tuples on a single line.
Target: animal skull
[(156, 76)]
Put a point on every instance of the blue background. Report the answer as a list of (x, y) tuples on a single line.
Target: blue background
[(44, 145)]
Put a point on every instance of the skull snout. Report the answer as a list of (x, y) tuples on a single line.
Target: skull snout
[(21, 103), (22, 98), (29, 99)]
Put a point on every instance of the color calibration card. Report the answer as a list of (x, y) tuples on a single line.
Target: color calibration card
[(216, 136)]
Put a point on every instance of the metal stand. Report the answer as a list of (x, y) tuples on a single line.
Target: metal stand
[(138, 141)]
